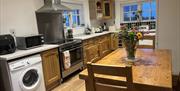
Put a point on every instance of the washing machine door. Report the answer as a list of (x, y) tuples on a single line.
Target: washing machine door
[(30, 79)]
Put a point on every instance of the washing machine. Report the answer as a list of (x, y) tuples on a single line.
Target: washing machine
[(27, 74)]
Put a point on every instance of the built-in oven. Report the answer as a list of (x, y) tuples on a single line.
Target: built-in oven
[(76, 58)]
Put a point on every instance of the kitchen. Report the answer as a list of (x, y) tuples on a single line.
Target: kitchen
[(19, 19)]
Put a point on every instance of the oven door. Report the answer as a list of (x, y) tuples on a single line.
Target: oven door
[(76, 55)]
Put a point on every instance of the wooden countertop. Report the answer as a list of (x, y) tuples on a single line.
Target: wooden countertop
[(154, 67)]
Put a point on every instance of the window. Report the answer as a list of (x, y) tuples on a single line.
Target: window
[(71, 18), (149, 10), (129, 12)]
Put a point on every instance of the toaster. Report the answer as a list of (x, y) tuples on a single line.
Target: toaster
[(7, 44)]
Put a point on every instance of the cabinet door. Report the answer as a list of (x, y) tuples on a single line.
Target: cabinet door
[(114, 41), (85, 55), (51, 68), (104, 47), (92, 53), (86, 45), (107, 9)]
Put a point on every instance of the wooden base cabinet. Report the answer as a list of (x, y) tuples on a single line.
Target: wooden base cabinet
[(114, 41), (104, 46), (92, 53), (51, 68), (96, 48)]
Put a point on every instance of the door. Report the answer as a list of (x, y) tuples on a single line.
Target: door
[(51, 68), (76, 55)]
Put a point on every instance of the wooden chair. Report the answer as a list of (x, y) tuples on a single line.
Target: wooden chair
[(178, 84), (99, 83), (152, 38)]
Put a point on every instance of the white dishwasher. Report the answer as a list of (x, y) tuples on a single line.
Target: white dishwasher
[(27, 74)]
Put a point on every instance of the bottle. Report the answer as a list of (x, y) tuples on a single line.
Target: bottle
[(69, 33), (105, 27), (87, 30)]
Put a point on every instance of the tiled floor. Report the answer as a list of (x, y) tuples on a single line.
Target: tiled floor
[(72, 84)]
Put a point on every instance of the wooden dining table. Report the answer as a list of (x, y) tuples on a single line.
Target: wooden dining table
[(151, 72)]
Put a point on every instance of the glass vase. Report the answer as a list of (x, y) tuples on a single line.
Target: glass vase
[(131, 52)]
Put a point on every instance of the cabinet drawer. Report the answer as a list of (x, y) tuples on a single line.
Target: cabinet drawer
[(88, 42), (50, 51), (97, 39)]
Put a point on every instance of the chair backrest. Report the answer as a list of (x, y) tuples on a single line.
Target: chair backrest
[(147, 45), (107, 84), (178, 84)]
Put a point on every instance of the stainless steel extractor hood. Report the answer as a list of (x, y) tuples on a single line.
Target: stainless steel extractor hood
[(52, 6)]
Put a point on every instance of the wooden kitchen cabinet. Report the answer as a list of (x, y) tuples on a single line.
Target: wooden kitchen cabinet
[(96, 48), (51, 68), (104, 46), (92, 53), (114, 41), (101, 9), (108, 9)]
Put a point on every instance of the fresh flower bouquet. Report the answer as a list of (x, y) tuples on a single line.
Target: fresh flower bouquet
[(130, 39)]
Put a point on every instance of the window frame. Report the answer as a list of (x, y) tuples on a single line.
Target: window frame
[(70, 14), (129, 12), (139, 7), (150, 10)]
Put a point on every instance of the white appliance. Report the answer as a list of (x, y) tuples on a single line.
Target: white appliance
[(27, 74), (144, 28)]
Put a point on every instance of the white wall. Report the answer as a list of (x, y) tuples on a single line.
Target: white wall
[(19, 15), (1, 15), (178, 34), (169, 30), (117, 13)]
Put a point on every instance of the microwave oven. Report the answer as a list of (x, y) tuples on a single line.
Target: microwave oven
[(28, 42)]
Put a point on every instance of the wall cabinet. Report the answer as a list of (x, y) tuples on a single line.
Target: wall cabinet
[(107, 9), (51, 68), (101, 9)]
